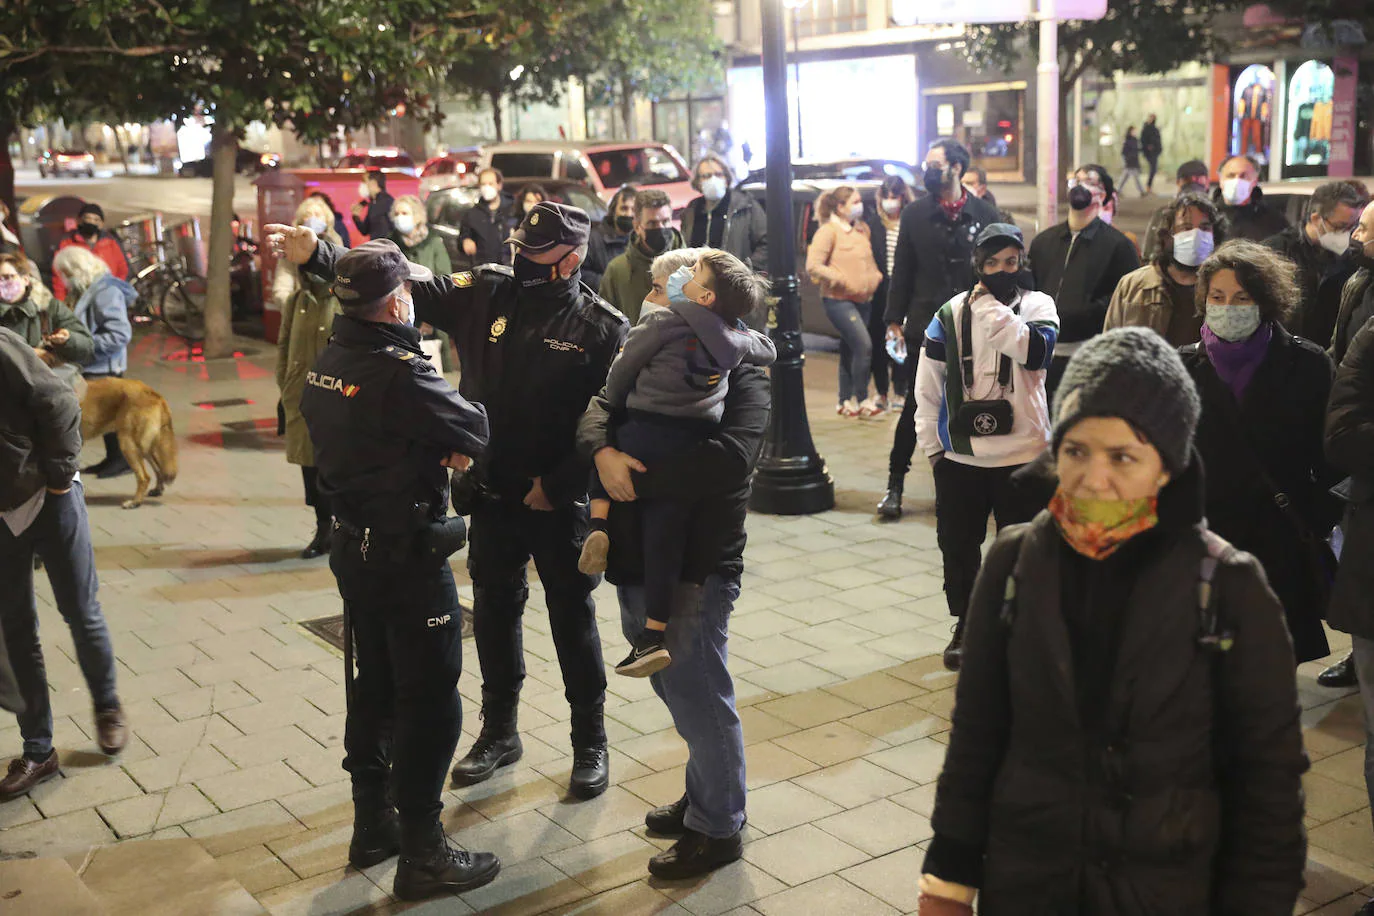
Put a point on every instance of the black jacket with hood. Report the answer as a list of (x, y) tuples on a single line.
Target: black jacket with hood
[(1103, 762)]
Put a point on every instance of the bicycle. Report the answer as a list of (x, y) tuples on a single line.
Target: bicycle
[(169, 293)]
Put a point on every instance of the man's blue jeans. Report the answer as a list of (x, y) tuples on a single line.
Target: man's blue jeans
[(701, 697), (62, 535)]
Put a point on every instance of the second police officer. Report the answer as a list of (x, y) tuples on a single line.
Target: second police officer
[(535, 345), (384, 424)]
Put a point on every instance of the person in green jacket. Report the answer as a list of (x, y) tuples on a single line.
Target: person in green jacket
[(28, 309), (627, 280), (425, 248), (308, 307)]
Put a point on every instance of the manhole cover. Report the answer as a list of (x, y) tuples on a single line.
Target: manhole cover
[(330, 629)]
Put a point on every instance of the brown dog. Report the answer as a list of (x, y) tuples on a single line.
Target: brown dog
[(143, 422)]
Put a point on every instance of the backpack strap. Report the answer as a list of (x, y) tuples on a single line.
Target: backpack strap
[(1213, 634)]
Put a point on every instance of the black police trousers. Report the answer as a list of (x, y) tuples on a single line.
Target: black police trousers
[(503, 538), (404, 716)]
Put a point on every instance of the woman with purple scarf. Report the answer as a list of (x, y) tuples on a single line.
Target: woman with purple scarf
[(1264, 395)]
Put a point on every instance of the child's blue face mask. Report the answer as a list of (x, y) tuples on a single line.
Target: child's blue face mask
[(677, 281)]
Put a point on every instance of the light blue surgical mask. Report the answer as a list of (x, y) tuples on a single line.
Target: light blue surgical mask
[(315, 225), (1233, 322), (676, 281)]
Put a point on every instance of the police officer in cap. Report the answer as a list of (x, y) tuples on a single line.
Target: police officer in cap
[(385, 425), (535, 345)]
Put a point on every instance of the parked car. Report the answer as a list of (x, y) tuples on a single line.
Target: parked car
[(848, 170), (456, 168), (386, 157), (603, 167), (445, 208), (56, 162), (246, 162)]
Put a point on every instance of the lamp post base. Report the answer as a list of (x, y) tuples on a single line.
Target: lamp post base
[(792, 486), (792, 478)]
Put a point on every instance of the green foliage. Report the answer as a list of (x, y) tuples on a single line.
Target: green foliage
[(535, 41), (651, 48)]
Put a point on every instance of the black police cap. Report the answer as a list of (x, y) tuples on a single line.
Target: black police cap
[(549, 225), (372, 270)]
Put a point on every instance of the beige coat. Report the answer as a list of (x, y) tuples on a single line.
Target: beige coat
[(1142, 300), (841, 263), (307, 319)]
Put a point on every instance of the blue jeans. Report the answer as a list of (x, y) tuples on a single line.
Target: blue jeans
[(701, 697), (856, 346), (62, 535)]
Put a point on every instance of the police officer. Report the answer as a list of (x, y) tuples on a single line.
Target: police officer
[(384, 424), (535, 345)]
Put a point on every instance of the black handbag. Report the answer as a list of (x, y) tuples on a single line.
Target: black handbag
[(981, 418)]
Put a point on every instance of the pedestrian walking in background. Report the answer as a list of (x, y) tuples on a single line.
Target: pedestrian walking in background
[(1151, 147), (487, 224), (627, 279), (840, 261), (29, 310), (934, 248), (1130, 159), (610, 236), (1161, 295), (90, 233), (725, 218), (372, 214), (981, 412), (308, 308), (43, 510), (421, 246), (1264, 395), (101, 302), (889, 375), (1126, 737), (1079, 263), (1320, 247)]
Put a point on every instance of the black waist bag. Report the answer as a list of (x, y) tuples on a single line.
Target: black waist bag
[(978, 419), (443, 538)]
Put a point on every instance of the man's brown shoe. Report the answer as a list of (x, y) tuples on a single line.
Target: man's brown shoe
[(110, 731), (24, 774)]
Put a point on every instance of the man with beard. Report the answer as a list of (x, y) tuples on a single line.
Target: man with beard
[(626, 281)]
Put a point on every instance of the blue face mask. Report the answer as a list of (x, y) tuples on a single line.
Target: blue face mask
[(676, 281)]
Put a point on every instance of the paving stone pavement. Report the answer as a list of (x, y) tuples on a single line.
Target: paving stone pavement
[(237, 713)]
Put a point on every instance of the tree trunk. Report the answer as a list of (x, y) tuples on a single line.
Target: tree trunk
[(219, 328), (627, 107), (7, 128), (123, 145), (494, 95)]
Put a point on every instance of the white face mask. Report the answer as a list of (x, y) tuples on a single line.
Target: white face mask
[(891, 206), (315, 225), (404, 223), (1192, 246), (856, 211), (488, 192), (410, 309), (1236, 191), (713, 188), (1335, 242), (1233, 322), (364, 191)]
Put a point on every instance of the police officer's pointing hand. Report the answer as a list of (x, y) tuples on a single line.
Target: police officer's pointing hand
[(295, 243)]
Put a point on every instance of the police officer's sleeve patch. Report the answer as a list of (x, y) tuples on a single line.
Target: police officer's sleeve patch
[(462, 279), (407, 356), (495, 270)]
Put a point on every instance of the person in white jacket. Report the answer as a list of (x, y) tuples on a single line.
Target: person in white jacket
[(981, 410)]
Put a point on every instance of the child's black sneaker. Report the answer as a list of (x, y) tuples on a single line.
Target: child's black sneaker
[(647, 655), (594, 550)]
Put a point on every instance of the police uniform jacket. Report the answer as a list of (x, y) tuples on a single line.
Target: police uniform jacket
[(382, 419), (534, 356)]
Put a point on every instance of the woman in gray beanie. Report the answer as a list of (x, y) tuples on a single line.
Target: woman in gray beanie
[(1126, 735)]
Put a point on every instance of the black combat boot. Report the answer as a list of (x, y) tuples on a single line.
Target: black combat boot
[(497, 746), (591, 770), (890, 508), (954, 652), (376, 833), (429, 865)]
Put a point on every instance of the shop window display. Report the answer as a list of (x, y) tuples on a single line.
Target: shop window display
[(1309, 114), (1253, 113)]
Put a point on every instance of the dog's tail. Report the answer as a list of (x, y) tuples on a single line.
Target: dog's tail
[(164, 450)]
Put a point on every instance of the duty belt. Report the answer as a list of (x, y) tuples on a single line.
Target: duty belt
[(399, 543)]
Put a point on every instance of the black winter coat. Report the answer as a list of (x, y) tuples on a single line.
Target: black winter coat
[(1322, 276), (1254, 220), (489, 230), (376, 222), (1180, 794), (1081, 278), (1357, 307), (934, 260), (1277, 427), (1350, 449), (604, 245), (716, 475)]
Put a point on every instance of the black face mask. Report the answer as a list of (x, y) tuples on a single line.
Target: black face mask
[(935, 180), (528, 273), (89, 230), (656, 241), (1003, 286), (625, 224), (1080, 198)]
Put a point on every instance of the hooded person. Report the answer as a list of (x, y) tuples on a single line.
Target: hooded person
[(1126, 737)]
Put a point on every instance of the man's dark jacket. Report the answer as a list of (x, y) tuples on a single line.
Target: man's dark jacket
[(1350, 449), (1322, 276), (934, 259), (715, 474), (377, 222), (1254, 220), (1081, 279)]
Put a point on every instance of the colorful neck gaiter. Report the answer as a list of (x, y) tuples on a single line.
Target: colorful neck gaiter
[(1096, 528)]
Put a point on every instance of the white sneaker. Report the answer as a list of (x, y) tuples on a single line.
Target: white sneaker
[(849, 409), (872, 407)]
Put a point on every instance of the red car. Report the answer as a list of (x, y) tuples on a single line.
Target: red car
[(454, 169), (56, 162)]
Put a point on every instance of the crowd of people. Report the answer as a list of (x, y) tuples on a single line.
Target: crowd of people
[(1169, 450)]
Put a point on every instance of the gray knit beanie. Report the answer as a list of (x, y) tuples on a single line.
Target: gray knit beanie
[(1134, 374)]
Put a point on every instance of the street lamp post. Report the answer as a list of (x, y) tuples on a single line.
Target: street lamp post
[(795, 6), (792, 478)]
